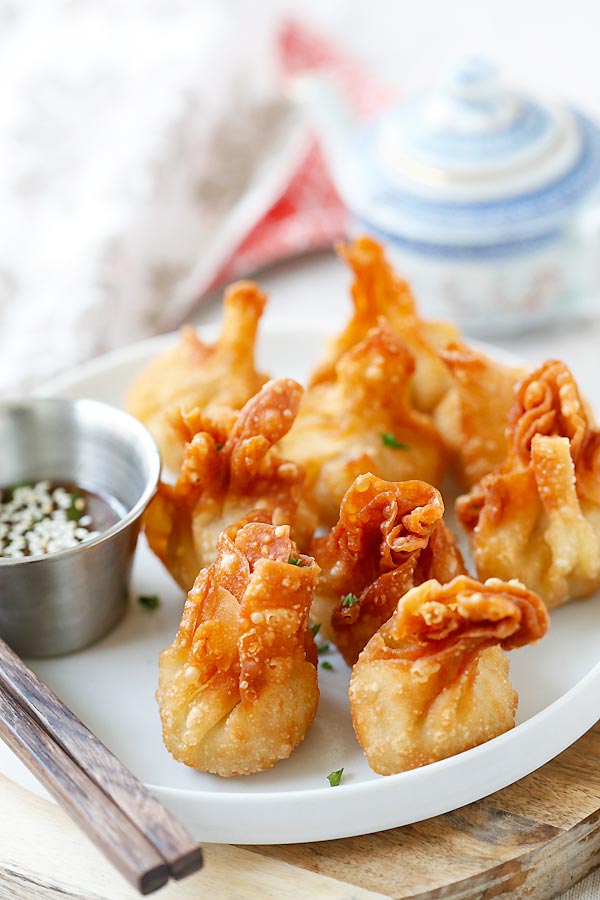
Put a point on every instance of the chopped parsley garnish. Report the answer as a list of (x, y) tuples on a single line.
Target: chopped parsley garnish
[(334, 778), (219, 446), (295, 561), (76, 507), (349, 600), (323, 648), (327, 665), (390, 440), (150, 601), (315, 629)]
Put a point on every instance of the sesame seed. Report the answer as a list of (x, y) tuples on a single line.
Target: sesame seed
[(35, 520)]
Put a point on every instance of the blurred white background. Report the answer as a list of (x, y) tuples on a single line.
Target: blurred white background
[(141, 140), (551, 46)]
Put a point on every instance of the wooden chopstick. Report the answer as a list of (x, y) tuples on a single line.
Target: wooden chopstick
[(80, 749), (102, 821)]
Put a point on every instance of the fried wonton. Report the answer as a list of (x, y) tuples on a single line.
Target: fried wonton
[(537, 516), (363, 421), (390, 537), (238, 686), (231, 472), (473, 416), (379, 294), (434, 679), (198, 375)]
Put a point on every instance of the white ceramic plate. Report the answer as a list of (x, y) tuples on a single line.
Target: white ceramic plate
[(111, 687)]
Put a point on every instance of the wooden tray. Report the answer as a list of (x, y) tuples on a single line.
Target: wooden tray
[(532, 840)]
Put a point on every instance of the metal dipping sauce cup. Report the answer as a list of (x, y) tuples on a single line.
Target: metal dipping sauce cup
[(63, 601)]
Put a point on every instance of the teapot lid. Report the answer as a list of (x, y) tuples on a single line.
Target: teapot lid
[(472, 161)]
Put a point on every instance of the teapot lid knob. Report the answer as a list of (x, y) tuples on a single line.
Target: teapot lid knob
[(471, 98), (473, 78)]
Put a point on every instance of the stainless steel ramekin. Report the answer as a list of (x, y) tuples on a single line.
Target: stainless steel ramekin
[(64, 601)]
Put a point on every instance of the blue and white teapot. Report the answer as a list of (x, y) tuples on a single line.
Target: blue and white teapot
[(485, 197)]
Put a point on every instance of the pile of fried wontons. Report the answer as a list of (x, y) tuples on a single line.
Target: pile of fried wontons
[(295, 508)]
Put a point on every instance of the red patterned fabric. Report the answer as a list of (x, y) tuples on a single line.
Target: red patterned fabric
[(309, 214)]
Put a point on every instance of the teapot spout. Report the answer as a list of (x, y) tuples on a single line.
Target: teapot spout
[(327, 111)]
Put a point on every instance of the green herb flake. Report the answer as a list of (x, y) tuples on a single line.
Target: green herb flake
[(327, 665), (150, 601), (295, 561), (349, 600), (390, 440), (77, 507), (315, 629), (334, 778), (219, 446), (323, 648)]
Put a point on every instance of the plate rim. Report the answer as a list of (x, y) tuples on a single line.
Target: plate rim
[(554, 726)]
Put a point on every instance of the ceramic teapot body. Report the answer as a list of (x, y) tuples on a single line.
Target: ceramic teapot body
[(487, 199)]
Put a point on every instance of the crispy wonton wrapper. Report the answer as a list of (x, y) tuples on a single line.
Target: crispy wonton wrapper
[(363, 421), (537, 517), (473, 416), (238, 686), (390, 537), (434, 680), (198, 375), (380, 295), (231, 473)]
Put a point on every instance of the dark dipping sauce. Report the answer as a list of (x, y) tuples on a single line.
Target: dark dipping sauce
[(41, 517)]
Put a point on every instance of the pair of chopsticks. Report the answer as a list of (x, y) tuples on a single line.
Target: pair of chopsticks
[(127, 823)]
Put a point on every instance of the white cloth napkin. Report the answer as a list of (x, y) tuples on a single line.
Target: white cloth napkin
[(138, 144)]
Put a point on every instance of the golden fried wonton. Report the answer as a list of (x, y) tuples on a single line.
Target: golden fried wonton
[(434, 680), (379, 294), (537, 516), (363, 421), (195, 374), (389, 538), (238, 686), (231, 473), (473, 416)]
